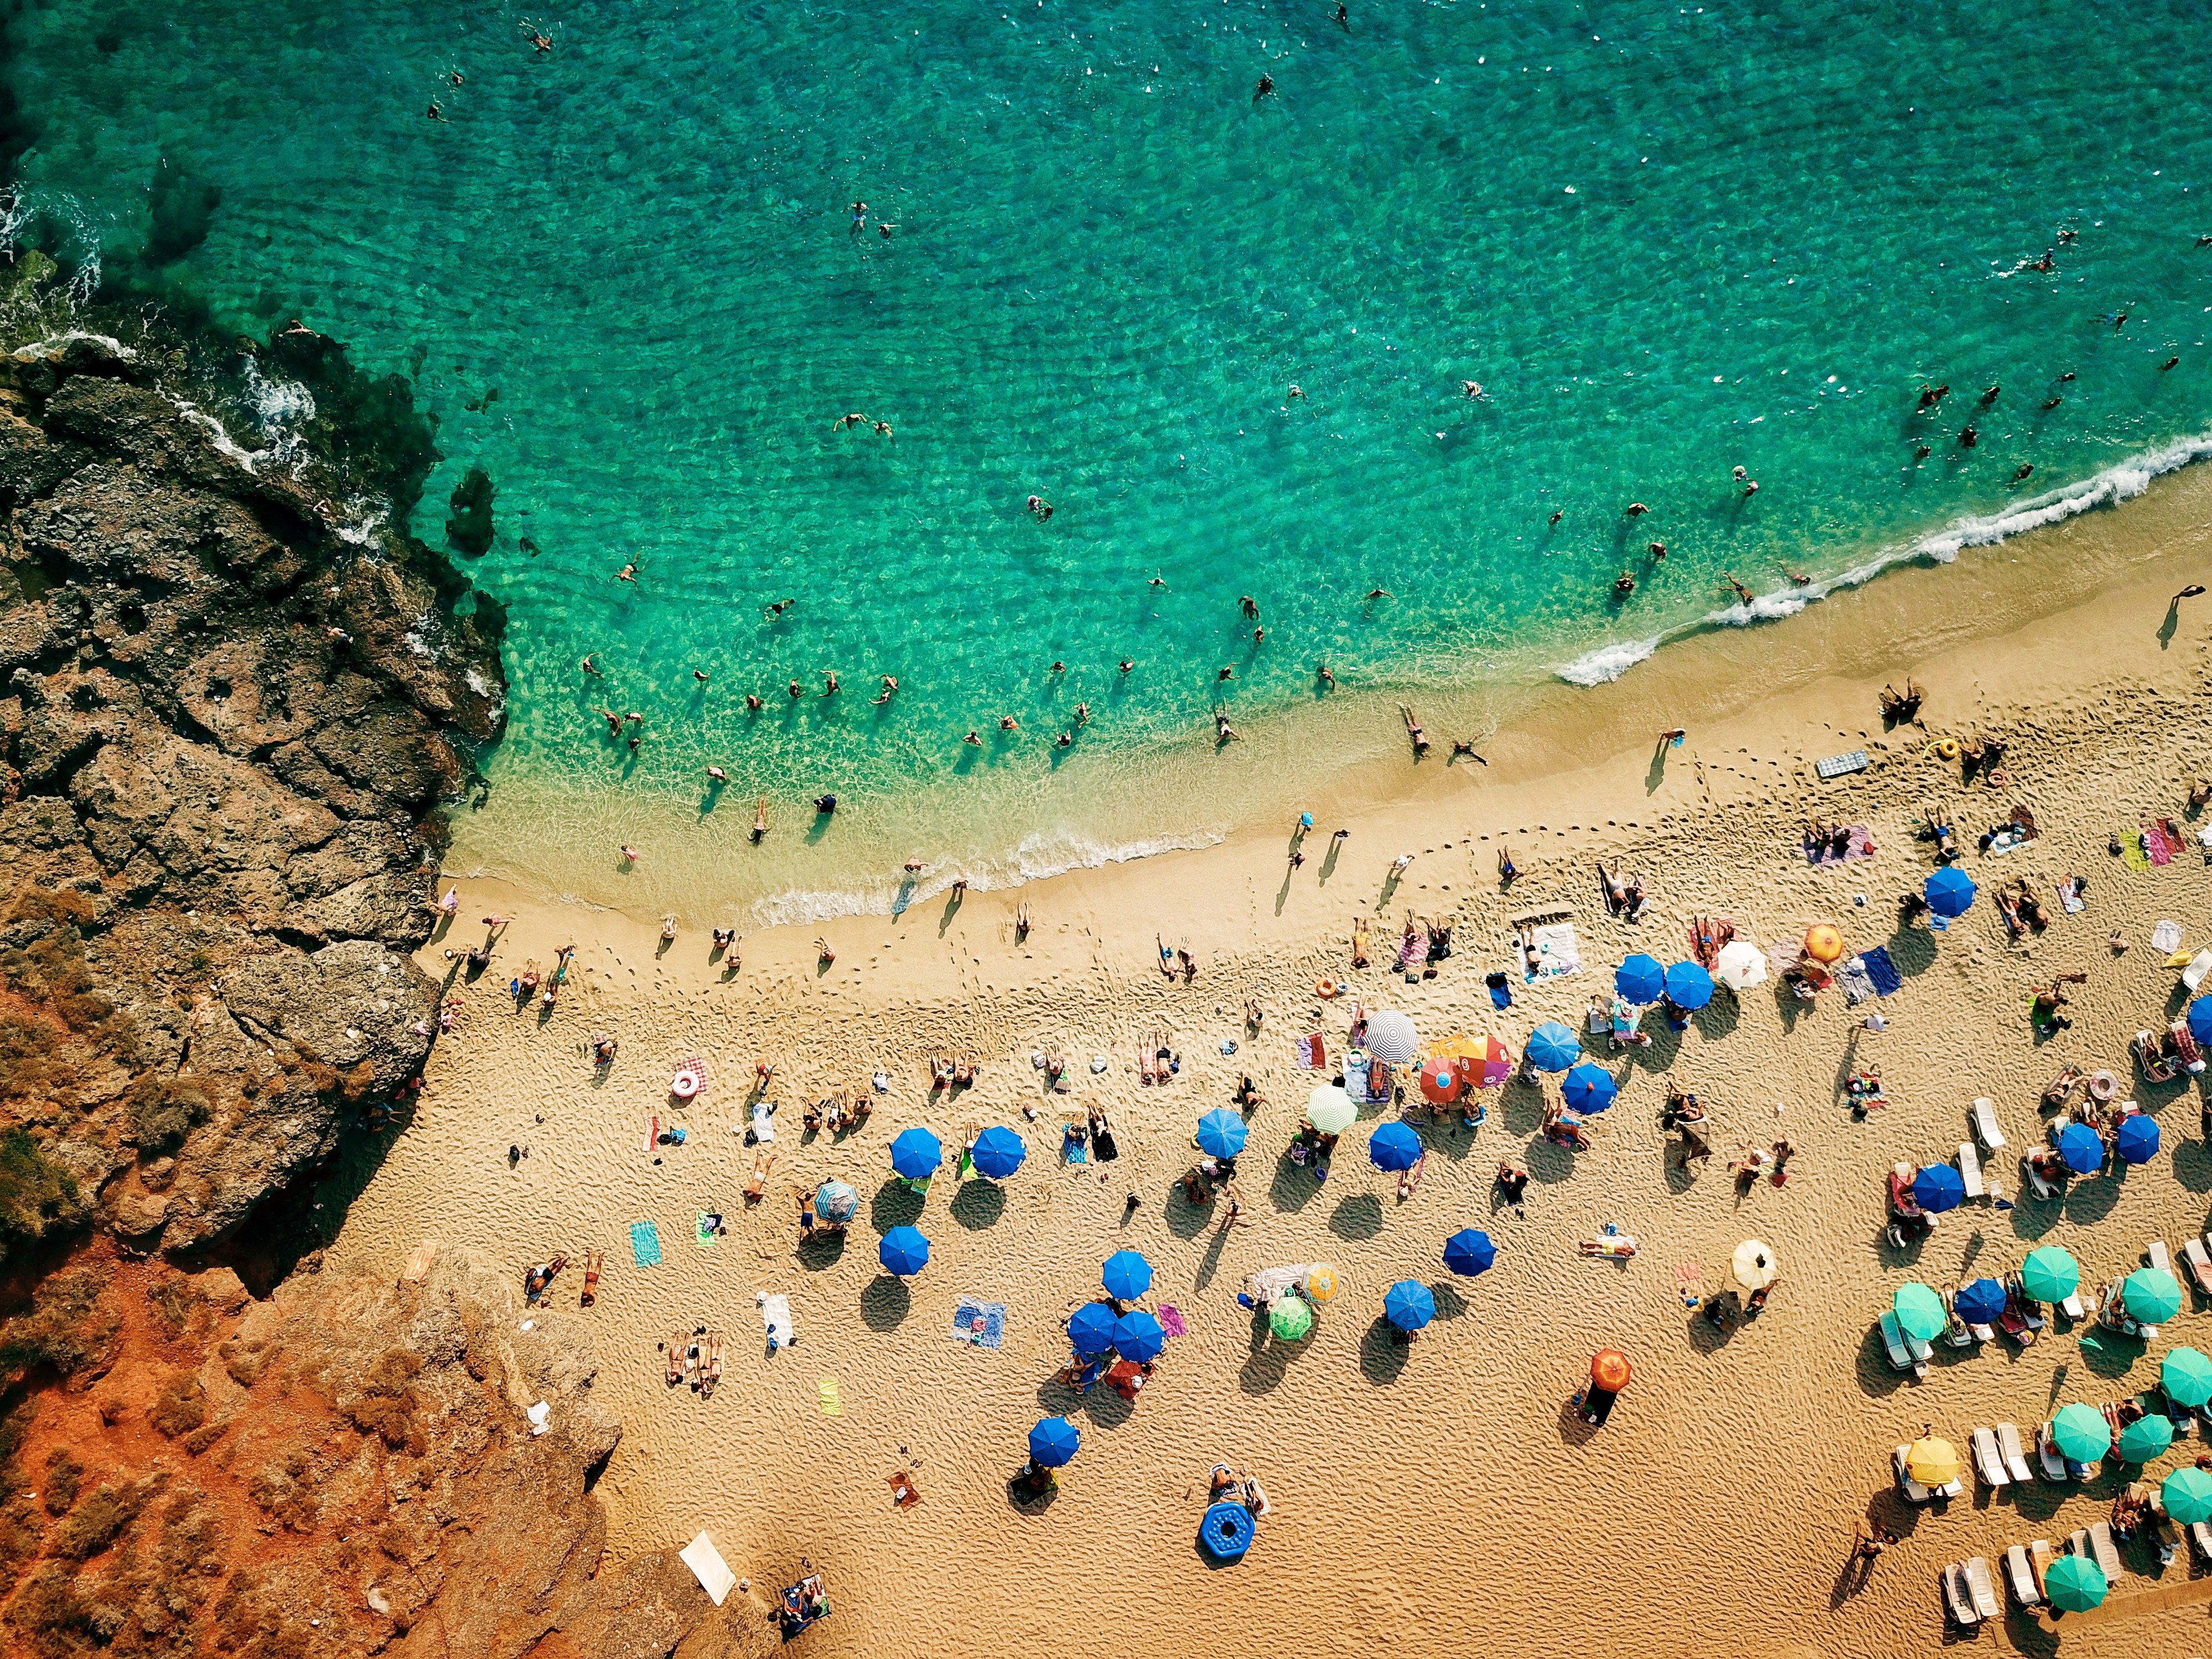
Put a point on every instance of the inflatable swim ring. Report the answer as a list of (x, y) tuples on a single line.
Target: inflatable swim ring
[(1326, 988), (685, 1084), (1948, 748)]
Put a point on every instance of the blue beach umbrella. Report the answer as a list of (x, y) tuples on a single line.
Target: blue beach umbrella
[(1138, 1336), (1688, 985), (1589, 1088), (1052, 1441), (916, 1153), (2200, 1019), (2137, 1140), (904, 1251), (1553, 1047), (1408, 1305), (2079, 1146), (998, 1152), (1980, 1302), (1091, 1330), (1938, 1188), (1394, 1146), (1126, 1275), (1949, 891), (1226, 1532), (1469, 1251), (1640, 979), (1221, 1134)]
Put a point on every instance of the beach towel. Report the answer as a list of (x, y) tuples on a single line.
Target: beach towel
[(1501, 994), (1781, 956), (1557, 953), (1881, 970), (651, 1132), (418, 1265), (2166, 935), (2072, 902), (980, 1324), (775, 1315), (1171, 1321), (1822, 853), (832, 1405), (708, 1566), (2008, 838), (1857, 983), (702, 1228), (2133, 852), (1309, 1052), (2157, 846), (645, 1243), (1072, 1150)]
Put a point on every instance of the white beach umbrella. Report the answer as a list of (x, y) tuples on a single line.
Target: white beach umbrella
[(1330, 1111), (1754, 1265), (1739, 965), (1392, 1039)]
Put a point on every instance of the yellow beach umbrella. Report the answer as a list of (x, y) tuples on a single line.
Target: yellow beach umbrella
[(1321, 1286), (1824, 942), (1932, 1462)]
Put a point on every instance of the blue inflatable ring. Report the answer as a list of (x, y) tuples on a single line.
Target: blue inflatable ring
[(1226, 1532)]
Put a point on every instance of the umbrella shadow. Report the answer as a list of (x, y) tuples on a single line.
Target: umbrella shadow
[(978, 1204), (1521, 1103), (1878, 1379), (895, 1205), (1381, 1356), (1718, 1017), (1107, 1408), (886, 1302), (1358, 1216), (1293, 1186), (1450, 1304), (1911, 951), (1186, 1220), (2193, 1165), (821, 1249), (1267, 1363), (1022, 1506), (2089, 1201), (1549, 1162)]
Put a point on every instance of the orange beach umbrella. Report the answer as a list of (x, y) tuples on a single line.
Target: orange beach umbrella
[(1609, 1369)]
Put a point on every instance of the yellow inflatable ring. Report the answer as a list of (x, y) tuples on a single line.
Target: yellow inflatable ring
[(1327, 989), (1948, 748)]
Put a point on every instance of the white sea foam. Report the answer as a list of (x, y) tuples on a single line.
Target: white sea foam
[(2120, 481), (55, 342), (1036, 856)]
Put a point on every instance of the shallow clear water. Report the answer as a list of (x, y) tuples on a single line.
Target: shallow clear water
[(1668, 242)]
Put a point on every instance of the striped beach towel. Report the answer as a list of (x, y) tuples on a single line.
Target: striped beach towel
[(645, 1243)]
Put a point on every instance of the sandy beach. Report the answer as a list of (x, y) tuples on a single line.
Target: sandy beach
[(1437, 1496)]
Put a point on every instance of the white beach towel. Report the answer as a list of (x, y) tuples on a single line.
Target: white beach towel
[(708, 1566), (776, 1314), (1557, 952)]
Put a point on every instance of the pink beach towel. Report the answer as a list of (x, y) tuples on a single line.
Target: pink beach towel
[(2155, 844), (1171, 1321)]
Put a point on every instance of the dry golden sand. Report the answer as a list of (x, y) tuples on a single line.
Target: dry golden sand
[(1433, 1498)]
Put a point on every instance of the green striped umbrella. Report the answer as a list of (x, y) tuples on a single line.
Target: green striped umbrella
[(2145, 1439), (2081, 1432), (1920, 1312), (2050, 1274), (2074, 1584), (2150, 1295), (1290, 1319), (2186, 1377), (2188, 1496)]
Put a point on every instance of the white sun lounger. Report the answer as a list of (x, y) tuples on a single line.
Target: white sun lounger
[(2036, 1183), (1900, 1355), (1970, 1170), (2155, 1253), (1988, 1463), (2199, 1261), (1984, 1117), (1985, 1593), (1959, 1598), (2073, 1306), (2049, 1459), (2108, 1556), (2022, 1577), (2200, 1533), (1913, 1491), (2015, 1460)]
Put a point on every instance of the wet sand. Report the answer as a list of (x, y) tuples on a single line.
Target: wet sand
[(1438, 1496)]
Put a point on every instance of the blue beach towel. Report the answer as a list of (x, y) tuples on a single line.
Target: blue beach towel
[(1881, 970), (980, 1324), (645, 1243)]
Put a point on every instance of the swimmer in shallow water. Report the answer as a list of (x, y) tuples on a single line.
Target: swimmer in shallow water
[(1623, 585), (752, 703), (718, 774), (890, 684)]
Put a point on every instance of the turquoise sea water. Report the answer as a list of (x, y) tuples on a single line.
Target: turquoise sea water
[(1668, 241)]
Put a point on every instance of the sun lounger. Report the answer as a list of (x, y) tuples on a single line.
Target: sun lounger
[(1893, 1338), (1988, 1463), (2200, 1533), (1970, 1170), (2102, 1548), (2036, 1183), (2199, 1261), (2158, 1256), (2050, 1462), (1913, 1491), (2073, 1306), (1958, 1598), (1979, 1585), (2020, 1574), (2008, 1445), (1984, 1118)]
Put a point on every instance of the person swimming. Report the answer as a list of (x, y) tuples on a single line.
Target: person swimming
[(825, 804), (797, 690), (1326, 676), (752, 703), (890, 684), (718, 774), (1968, 438), (1656, 550), (700, 675), (1623, 585), (1740, 590), (627, 573), (2026, 467), (1127, 664), (1082, 714), (1557, 513), (1008, 723), (975, 738), (830, 687)]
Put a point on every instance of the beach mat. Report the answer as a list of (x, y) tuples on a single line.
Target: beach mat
[(1556, 951), (2133, 852), (1857, 983), (1822, 854), (980, 1324), (1171, 1320), (776, 1316), (702, 1228), (2155, 844), (1881, 970), (645, 1243), (832, 1404)]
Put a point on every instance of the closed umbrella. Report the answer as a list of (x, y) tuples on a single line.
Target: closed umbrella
[(2083, 1152), (1920, 1312), (1090, 1331), (1221, 1134), (1441, 1081), (904, 1251), (1126, 1275), (2050, 1274), (2081, 1433), (1391, 1037), (2073, 1583), (1138, 1336), (1394, 1146), (1932, 1462), (1552, 1047), (916, 1153), (1949, 891), (1589, 1088), (1739, 965), (2187, 1494), (2145, 1439), (1754, 1265), (1640, 979), (997, 1151), (1979, 1302), (1689, 985), (1408, 1305), (1052, 1441), (1938, 1188), (1469, 1251), (2186, 1377), (2200, 1019), (1330, 1111), (837, 1202), (1290, 1318), (2136, 1141), (2151, 1295)]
